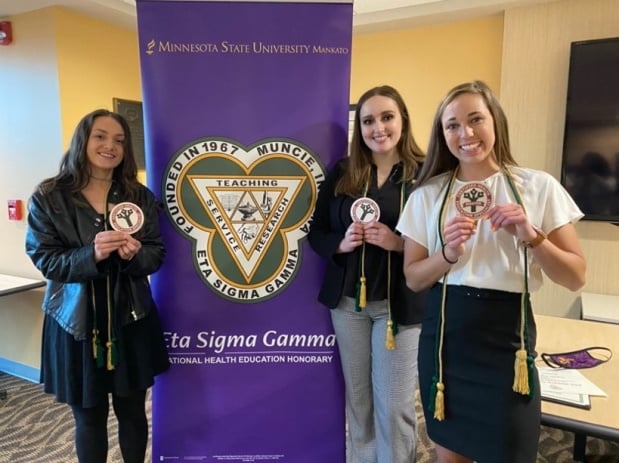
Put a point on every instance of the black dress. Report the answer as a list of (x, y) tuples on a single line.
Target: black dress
[(69, 369)]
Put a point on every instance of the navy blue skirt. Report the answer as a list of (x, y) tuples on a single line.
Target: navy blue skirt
[(485, 420)]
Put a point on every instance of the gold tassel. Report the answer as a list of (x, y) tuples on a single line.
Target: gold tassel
[(362, 298), (390, 340), (439, 402), (110, 362), (521, 374)]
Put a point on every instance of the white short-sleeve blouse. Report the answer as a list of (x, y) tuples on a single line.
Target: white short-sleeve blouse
[(492, 260)]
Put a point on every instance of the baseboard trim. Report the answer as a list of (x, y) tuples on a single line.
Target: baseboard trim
[(20, 370)]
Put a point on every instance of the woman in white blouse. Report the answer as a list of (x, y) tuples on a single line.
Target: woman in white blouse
[(479, 232)]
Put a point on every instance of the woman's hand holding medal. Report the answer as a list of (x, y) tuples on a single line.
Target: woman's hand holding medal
[(456, 233), (379, 234), (376, 233), (131, 247), (125, 218), (365, 227), (106, 242), (474, 201), (353, 237), (511, 218)]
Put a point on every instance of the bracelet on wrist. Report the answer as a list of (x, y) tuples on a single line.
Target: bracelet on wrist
[(451, 262), (539, 237)]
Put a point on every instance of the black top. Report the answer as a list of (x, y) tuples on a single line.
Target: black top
[(389, 198), (330, 221)]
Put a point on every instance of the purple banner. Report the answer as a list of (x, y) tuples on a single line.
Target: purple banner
[(245, 106)]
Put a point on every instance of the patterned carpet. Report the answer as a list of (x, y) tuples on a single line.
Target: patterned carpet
[(34, 429)]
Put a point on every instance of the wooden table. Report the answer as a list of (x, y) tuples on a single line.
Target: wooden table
[(557, 335)]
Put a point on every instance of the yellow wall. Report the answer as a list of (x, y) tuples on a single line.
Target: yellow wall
[(96, 62), (423, 63)]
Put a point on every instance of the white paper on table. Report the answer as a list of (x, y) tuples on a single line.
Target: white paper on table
[(566, 381), (576, 400)]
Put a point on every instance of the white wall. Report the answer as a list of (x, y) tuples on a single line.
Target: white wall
[(30, 143), (30, 126)]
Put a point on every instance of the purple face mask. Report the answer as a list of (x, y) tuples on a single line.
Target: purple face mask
[(577, 359)]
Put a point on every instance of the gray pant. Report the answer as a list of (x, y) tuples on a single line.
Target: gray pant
[(380, 384)]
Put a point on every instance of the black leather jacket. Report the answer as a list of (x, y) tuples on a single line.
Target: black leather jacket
[(59, 240)]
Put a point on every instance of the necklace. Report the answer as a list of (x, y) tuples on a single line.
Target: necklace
[(101, 178)]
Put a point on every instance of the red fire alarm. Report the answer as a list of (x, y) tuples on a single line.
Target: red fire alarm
[(6, 36), (15, 209)]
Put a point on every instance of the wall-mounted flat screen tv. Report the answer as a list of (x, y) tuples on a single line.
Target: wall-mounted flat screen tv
[(590, 167)]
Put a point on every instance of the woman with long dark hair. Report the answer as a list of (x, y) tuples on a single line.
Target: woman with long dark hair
[(93, 233)]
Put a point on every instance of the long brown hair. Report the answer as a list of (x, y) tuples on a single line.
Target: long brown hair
[(359, 163), (440, 159), (74, 172)]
